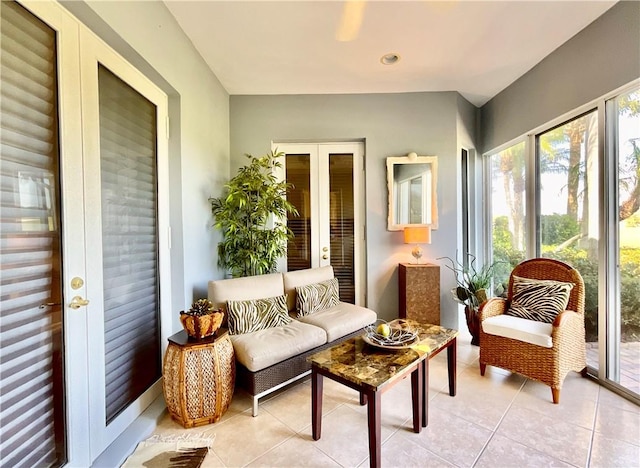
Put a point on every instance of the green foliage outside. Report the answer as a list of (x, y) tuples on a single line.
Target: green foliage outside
[(588, 268)]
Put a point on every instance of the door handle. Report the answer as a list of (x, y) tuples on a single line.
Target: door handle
[(78, 302), (48, 304), (325, 257)]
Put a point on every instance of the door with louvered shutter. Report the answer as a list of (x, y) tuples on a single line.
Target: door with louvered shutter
[(125, 146), (83, 239), (32, 418), (329, 196)]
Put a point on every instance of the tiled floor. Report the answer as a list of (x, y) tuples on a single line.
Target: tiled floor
[(499, 420)]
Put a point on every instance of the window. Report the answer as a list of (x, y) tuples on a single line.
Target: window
[(508, 211), (568, 203), (556, 194)]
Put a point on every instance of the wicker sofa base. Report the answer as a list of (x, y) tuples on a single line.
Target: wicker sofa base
[(265, 381)]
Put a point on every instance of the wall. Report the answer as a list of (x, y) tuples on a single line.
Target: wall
[(391, 125), (150, 38), (599, 59)]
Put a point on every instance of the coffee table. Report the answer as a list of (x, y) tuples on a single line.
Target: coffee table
[(372, 371)]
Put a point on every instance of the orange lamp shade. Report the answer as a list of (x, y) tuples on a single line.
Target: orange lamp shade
[(417, 235)]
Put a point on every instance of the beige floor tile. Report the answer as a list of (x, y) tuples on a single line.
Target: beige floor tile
[(574, 387), (345, 436), (212, 461), (608, 452), (572, 409), (401, 452), (454, 439), (620, 424), (481, 400), (558, 439), (397, 408), (607, 397), (295, 452), (243, 438), (502, 451), (293, 407)]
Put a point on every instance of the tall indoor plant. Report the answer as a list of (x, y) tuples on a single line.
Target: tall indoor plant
[(250, 214), (472, 289)]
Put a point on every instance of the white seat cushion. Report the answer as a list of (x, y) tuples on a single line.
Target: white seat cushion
[(261, 349), (341, 320), (529, 331)]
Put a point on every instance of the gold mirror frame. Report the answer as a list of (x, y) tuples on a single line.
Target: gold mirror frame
[(412, 182)]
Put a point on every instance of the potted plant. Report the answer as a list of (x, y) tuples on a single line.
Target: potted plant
[(202, 319), (250, 214), (473, 284)]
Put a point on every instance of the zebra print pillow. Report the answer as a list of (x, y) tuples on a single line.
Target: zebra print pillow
[(258, 314), (317, 296), (540, 300)]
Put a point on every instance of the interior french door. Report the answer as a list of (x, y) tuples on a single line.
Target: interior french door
[(83, 239), (328, 192)]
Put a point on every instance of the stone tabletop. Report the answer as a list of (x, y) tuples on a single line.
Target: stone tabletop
[(362, 364)]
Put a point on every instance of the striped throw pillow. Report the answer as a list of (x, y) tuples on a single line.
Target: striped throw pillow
[(540, 300), (258, 314), (317, 296)]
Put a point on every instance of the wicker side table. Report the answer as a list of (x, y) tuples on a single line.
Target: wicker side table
[(199, 378)]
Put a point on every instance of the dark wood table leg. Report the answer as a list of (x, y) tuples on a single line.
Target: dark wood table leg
[(451, 364), (363, 398), (373, 412), (417, 397), (316, 404), (425, 393)]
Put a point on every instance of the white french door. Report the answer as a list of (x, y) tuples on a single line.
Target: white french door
[(328, 193), (125, 224), (99, 184)]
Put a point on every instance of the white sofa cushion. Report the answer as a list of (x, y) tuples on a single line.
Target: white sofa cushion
[(243, 289), (294, 279), (341, 320), (261, 349), (529, 331)]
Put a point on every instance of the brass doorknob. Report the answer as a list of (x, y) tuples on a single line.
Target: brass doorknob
[(325, 257), (78, 302)]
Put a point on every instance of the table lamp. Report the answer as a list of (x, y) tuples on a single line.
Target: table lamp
[(417, 235)]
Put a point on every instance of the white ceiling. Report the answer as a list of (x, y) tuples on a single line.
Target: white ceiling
[(289, 47)]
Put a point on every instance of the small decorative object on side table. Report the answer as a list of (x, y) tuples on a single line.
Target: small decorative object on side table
[(419, 292), (202, 319), (199, 377)]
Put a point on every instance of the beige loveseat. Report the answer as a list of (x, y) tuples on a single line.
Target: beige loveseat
[(274, 357)]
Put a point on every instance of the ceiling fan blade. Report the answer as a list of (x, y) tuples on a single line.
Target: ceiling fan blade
[(352, 13)]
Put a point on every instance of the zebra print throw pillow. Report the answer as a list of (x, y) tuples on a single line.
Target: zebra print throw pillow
[(317, 296), (258, 314), (540, 300)]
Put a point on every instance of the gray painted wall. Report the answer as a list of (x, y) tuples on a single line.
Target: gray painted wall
[(391, 125), (599, 59)]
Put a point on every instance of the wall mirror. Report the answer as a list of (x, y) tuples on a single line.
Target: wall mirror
[(412, 182)]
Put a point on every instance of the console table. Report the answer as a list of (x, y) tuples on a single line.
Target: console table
[(199, 377), (419, 292)]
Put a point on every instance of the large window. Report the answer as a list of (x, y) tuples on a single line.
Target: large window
[(625, 328), (568, 204), (508, 211), (561, 193)]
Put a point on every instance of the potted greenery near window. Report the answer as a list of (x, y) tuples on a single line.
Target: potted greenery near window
[(252, 215), (473, 284)]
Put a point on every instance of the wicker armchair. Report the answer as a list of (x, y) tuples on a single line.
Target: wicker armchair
[(567, 352)]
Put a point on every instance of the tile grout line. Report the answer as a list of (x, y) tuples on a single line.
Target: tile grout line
[(593, 429), (495, 430)]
